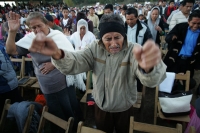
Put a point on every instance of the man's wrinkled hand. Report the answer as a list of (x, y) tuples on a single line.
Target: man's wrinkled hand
[(147, 56)]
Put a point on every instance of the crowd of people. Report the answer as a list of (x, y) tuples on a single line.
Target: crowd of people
[(119, 43)]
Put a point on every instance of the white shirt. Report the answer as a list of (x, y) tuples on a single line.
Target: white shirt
[(177, 18), (171, 15), (65, 21), (131, 35), (123, 17)]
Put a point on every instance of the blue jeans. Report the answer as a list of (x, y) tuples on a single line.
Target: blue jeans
[(64, 104)]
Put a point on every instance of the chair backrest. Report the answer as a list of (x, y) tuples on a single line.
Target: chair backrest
[(192, 130), (22, 61), (149, 128), (66, 125), (83, 129), (5, 112)]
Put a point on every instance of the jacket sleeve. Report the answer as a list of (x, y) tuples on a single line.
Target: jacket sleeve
[(172, 22), (173, 32), (75, 62), (3, 64), (147, 35), (155, 77)]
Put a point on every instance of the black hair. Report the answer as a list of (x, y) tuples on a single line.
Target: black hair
[(132, 10), (195, 13), (65, 8), (81, 15), (184, 2), (109, 6), (73, 11)]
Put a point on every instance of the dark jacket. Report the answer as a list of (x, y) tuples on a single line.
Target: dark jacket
[(172, 58), (142, 33), (68, 25), (8, 78), (161, 25)]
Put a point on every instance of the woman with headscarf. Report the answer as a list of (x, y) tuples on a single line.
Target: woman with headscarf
[(61, 99), (155, 25), (82, 36), (81, 15)]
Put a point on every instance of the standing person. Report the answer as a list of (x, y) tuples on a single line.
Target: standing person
[(183, 44), (137, 32), (81, 15), (8, 80), (155, 25), (94, 18), (51, 23), (82, 37), (168, 11), (123, 12), (66, 22), (108, 9), (175, 11), (61, 99), (183, 15), (115, 64)]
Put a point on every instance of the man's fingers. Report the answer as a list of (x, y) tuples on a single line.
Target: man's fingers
[(137, 51), (148, 44)]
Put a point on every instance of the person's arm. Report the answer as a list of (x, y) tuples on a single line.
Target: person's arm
[(10, 44), (74, 62), (14, 24), (172, 35), (147, 64), (3, 64), (172, 22), (147, 35)]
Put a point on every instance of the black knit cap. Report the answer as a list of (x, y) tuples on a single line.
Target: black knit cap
[(49, 17)]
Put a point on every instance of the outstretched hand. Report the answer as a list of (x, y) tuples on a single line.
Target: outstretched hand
[(147, 56), (44, 45), (13, 21)]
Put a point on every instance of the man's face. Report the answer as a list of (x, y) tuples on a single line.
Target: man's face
[(131, 20), (164, 4), (113, 42), (123, 12), (73, 13), (194, 24), (187, 8), (38, 26), (65, 13), (91, 11), (171, 4), (107, 11)]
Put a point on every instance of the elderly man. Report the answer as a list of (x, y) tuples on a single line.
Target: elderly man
[(115, 64)]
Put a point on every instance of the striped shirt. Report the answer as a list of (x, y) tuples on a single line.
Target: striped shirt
[(177, 18)]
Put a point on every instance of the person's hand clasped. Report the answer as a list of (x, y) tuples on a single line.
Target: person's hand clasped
[(174, 37), (44, 45), (46, 68), (147, 56)]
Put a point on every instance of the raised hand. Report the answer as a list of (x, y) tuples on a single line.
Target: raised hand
[(44, 45), (147, 56), (13, 21)]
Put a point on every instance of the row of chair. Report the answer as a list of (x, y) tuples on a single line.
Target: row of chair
[(32, 82), (67, 125)]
